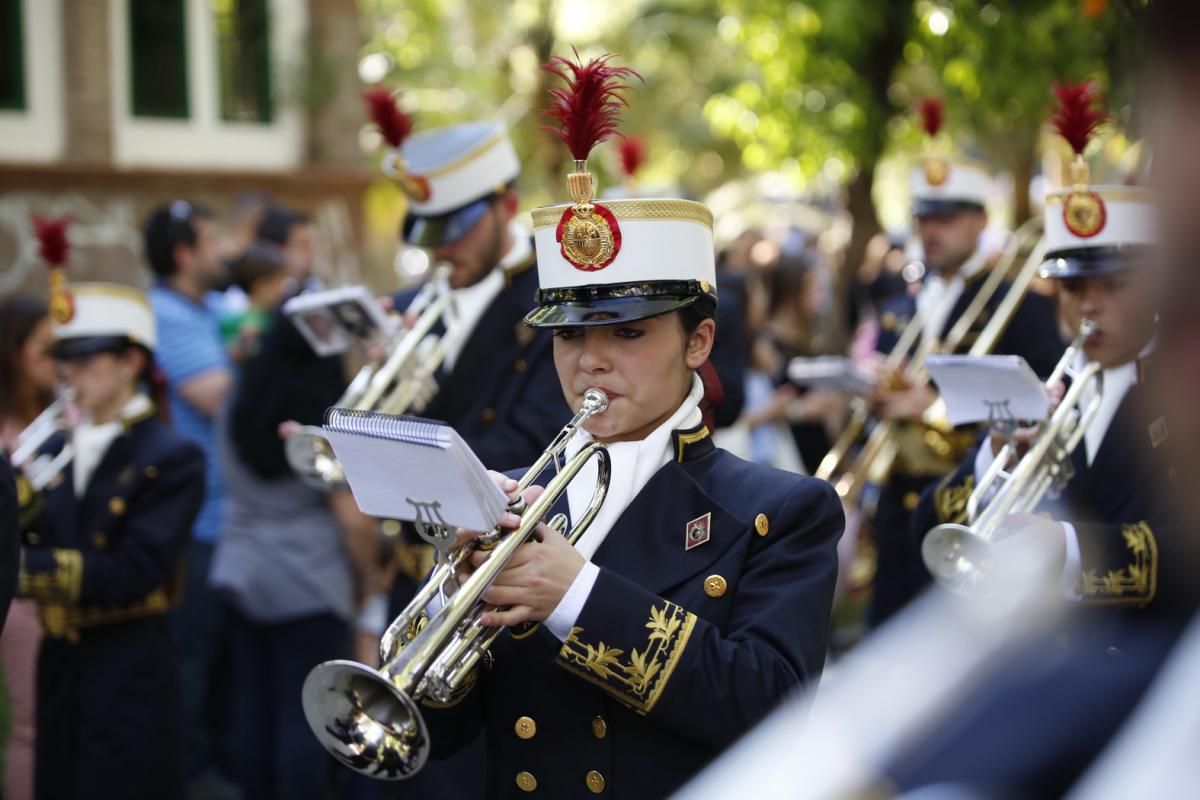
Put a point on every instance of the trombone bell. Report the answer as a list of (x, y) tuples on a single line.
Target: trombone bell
[(364, 722)]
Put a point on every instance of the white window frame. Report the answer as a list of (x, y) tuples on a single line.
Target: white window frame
[(204, 140), (36, 134)]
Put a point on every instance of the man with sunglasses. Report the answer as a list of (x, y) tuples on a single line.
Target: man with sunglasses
[(497, 385)]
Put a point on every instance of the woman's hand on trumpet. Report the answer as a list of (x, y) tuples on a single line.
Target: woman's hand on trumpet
[(534, 581)]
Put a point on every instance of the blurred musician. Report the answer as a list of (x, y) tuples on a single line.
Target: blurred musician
[(101, 553), (949, 199)]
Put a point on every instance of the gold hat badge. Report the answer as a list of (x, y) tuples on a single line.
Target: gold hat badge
[(53, 247), (395, 126), (586, 113), (1076, 119)]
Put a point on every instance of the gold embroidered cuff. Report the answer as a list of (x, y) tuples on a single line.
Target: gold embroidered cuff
[(951, 501), (51, 575), (1135, 583), (639, 680)]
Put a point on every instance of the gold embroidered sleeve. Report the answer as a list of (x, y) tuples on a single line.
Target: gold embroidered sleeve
[(950, 499), (1136, 582), (51, 575), (636, 675)]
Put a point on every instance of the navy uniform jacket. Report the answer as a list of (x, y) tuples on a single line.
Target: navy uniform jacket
[(503, 395), (1116, 506), (1044, 715), (101, 568), (1033, 334), (676, 653)]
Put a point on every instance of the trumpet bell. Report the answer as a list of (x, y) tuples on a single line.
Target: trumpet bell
[(364, 721), (955, 556), (311, 457)]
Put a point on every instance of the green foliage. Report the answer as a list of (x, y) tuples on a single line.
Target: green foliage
[(817, 90)]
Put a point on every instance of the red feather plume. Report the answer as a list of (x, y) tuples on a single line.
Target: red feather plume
[(933, 114), (52, 239), (1079, 113), (393, 124), (588, 110), (632, 150)]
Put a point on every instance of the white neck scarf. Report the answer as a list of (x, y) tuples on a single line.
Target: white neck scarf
[(470, 302), (937, 297), (633, 465), (91, 441)]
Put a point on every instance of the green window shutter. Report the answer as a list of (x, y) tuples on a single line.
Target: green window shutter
[(12, 56), (158, 58), (244, 59)]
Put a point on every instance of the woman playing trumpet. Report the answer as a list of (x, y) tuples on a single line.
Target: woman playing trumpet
[(100, 555), (700, 594)]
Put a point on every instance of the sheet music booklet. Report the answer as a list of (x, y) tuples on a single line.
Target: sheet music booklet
[(413, 469), (836, 373), (988, 388)]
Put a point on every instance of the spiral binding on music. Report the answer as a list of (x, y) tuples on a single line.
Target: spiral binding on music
[(377, 425)]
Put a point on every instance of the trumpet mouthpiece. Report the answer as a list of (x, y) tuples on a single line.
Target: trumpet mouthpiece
[(594, 401)]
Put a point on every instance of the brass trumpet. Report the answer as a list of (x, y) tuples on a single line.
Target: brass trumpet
[(40, 469), (370, 719), (398, 385), (958, 555)]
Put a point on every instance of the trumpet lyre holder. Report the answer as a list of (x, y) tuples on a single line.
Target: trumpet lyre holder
[(365, 722)]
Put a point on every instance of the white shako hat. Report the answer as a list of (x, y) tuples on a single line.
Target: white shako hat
[(90, 318), (106, 317), (448, 174), (940, 185), (615, 260), (1089, 229)]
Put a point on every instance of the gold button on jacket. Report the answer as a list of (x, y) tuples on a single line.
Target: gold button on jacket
[(525, 727), (761, 524), (116, 506), (526, 782), (595, 782), (714, 586), (599, 727)]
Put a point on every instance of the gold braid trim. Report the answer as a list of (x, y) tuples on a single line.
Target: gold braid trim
[(638, 682), (951, 501), (633, 210), (62, 620), (60, 584), (1134, 584)]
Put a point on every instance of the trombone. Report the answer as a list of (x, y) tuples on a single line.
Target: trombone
[(958, 555), (875, 459), (40, 469), (369, 719), (402, 382)]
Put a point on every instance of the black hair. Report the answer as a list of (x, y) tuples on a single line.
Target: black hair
[(19, 315), (788, 279), (167, 227), (260, 260), (277, 223)]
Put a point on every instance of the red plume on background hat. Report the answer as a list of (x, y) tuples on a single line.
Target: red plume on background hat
[(631, 151), (395, 126), (933, 114), (587, 112), (53, 248), (1077, 118)]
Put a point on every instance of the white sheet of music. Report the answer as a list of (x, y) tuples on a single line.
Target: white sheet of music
[(982, 388), (413, 469)]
